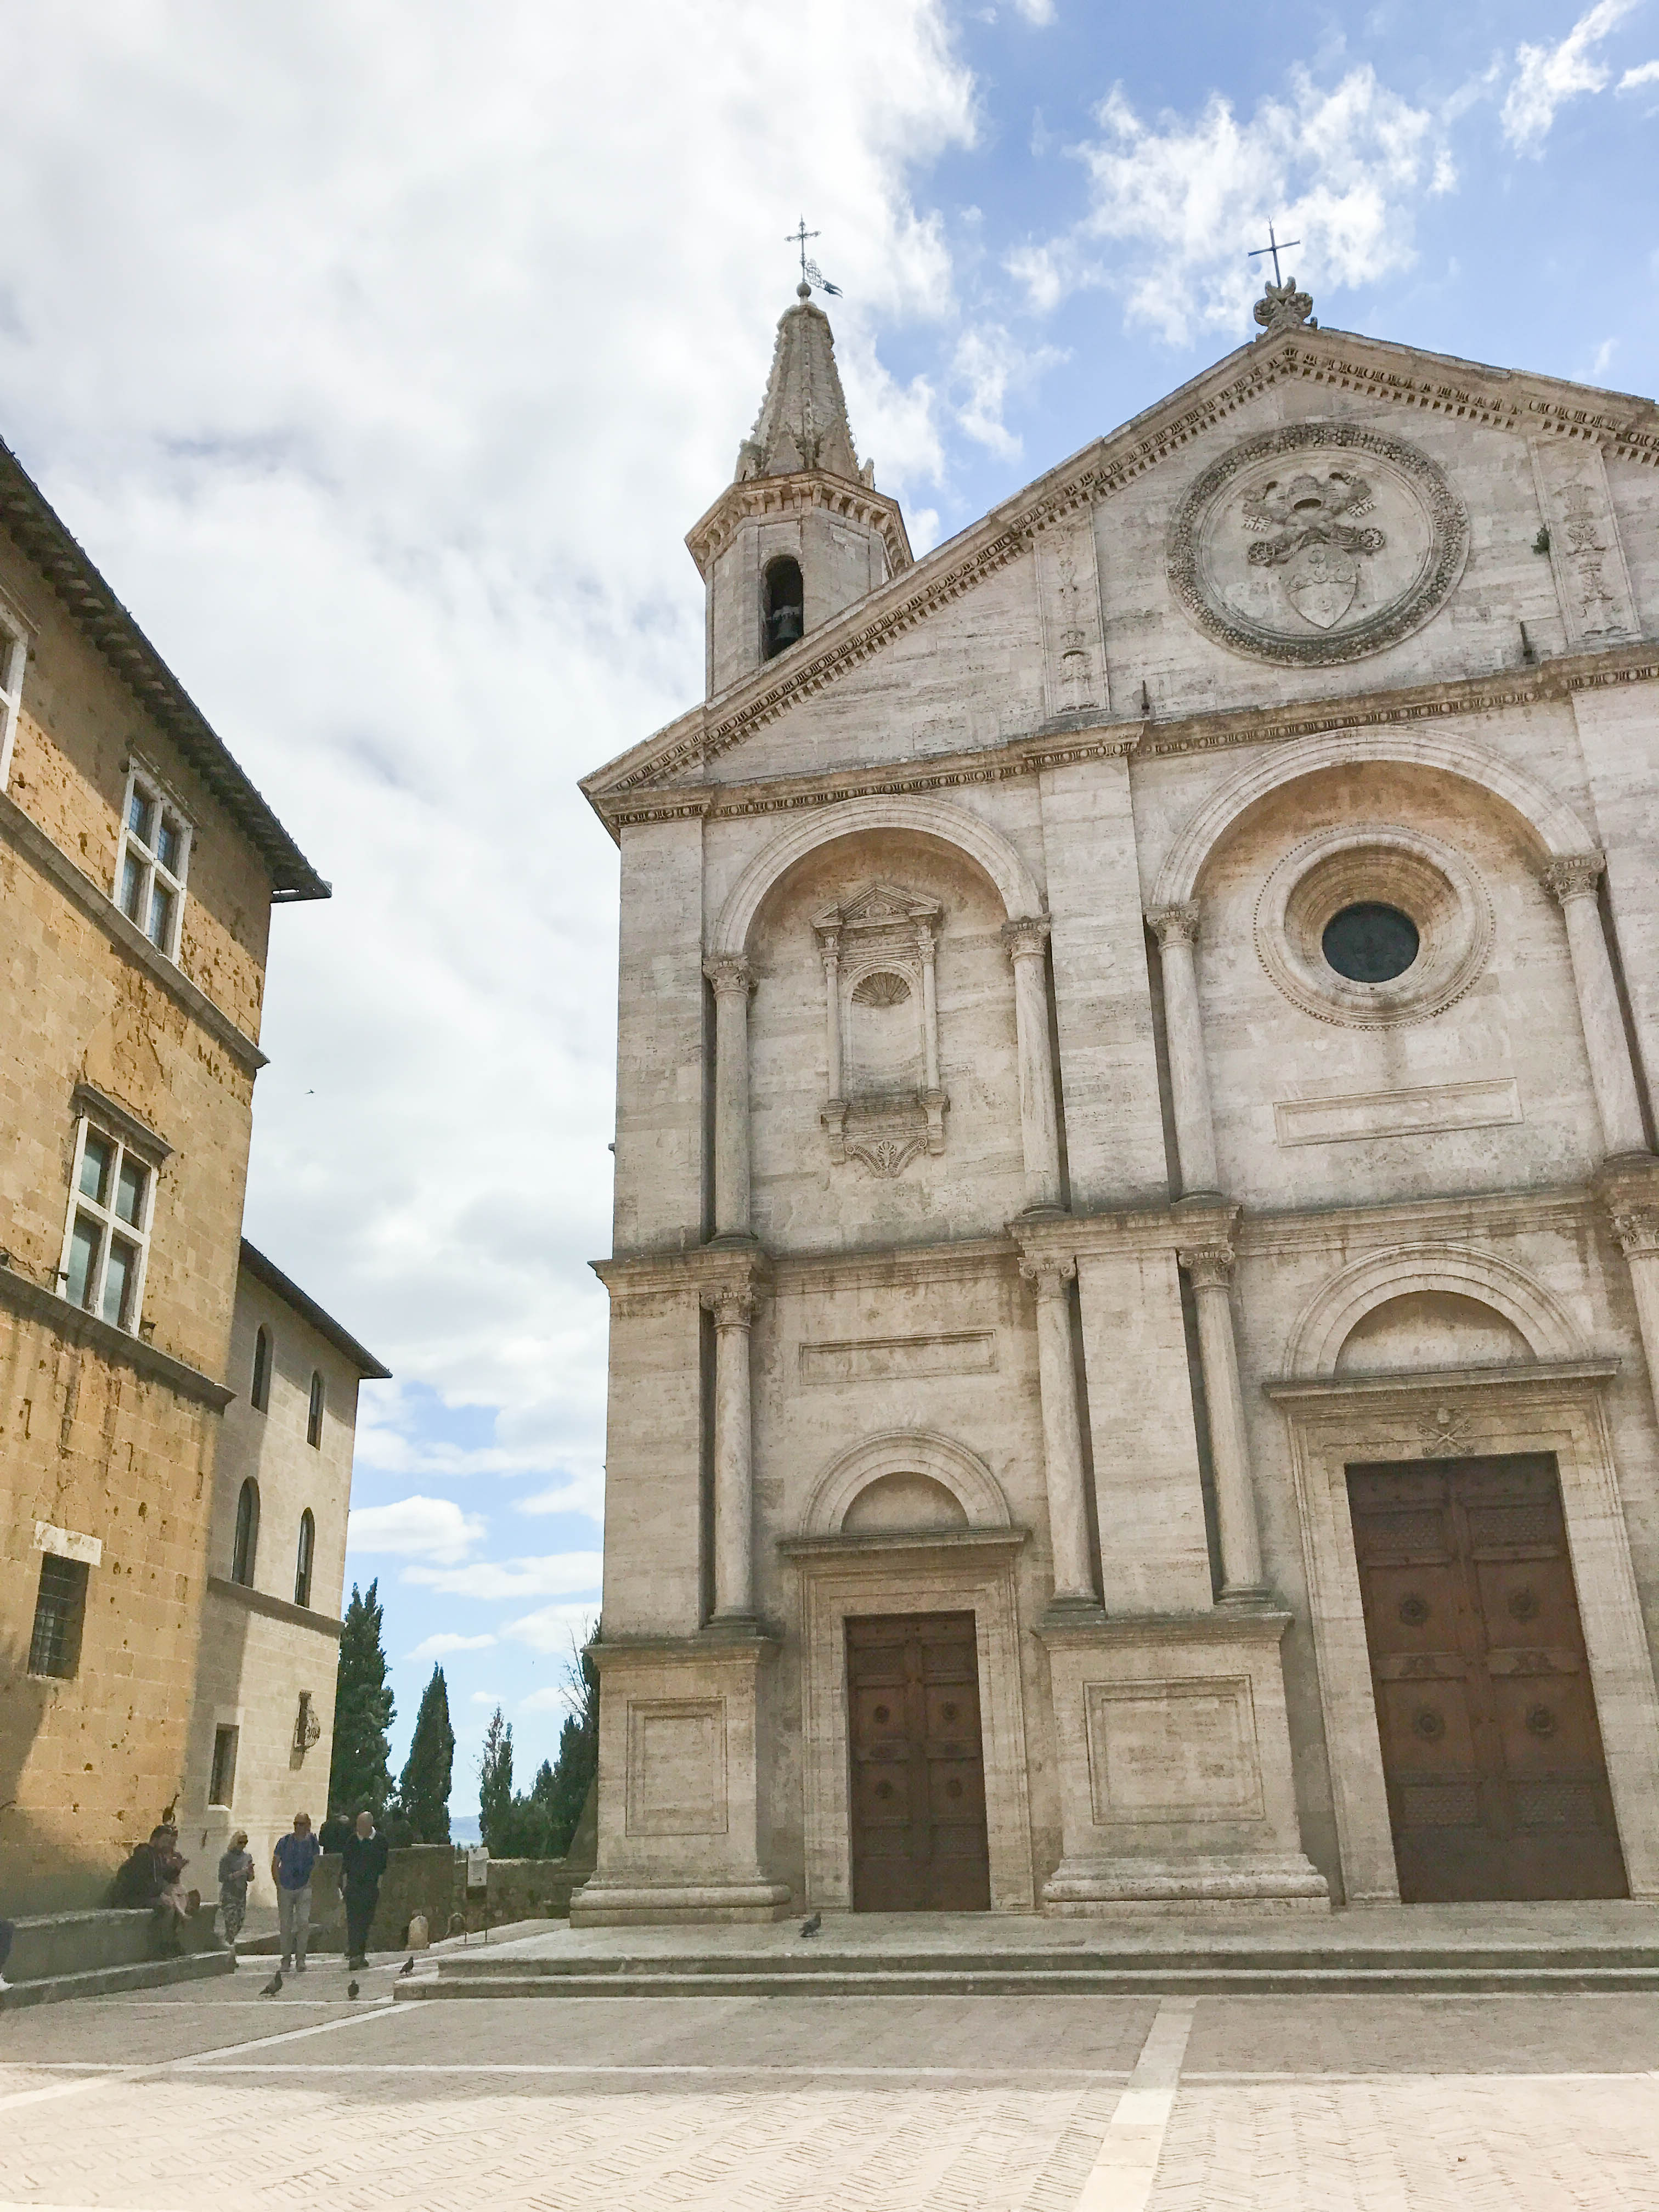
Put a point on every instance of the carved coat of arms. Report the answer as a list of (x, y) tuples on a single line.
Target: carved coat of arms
[(1306, 528)]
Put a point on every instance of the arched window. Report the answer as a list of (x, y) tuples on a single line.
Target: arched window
[(302, 1560), (259, 1395), (784, 607), (247, 1535), (314, 1416)]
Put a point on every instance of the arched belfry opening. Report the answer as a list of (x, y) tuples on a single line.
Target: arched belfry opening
[(783, 605)]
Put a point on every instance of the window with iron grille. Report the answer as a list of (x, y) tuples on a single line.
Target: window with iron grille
[(151, 860), (60, 1607)]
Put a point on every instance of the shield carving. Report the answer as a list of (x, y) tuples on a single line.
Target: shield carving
[(1320, 582)]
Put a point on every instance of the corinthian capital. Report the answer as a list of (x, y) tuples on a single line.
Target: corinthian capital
[(1026, 935), (1574, 876), (1050, 1271), (1210, 1266), (1175, 925), (1637, 1228), (733, 1307), (729, 973)]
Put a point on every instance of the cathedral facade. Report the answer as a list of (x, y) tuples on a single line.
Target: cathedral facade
[(1135, 1292)]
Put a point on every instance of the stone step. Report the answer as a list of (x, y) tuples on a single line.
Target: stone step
[(1167, 1978), (113, 1981)]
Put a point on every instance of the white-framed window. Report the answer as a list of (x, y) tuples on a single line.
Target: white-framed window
[(14, 654), (106, 1235), (151, 859)]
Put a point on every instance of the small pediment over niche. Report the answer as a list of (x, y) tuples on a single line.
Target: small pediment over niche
[(879, 906)]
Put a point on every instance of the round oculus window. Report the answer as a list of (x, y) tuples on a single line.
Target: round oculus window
[(1371, 942)]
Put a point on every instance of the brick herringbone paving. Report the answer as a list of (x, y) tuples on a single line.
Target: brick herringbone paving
[(849, 2105)]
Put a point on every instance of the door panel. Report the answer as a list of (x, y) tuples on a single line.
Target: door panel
[(917, 1765), (1491, 1750)]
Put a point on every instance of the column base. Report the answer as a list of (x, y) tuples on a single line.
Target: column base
[(656, 1905), (1100, 1888)]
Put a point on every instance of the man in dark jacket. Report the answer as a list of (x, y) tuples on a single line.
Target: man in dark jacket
[(362, 1862)]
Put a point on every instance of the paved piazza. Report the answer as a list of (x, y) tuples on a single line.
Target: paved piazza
[(206, 2096)]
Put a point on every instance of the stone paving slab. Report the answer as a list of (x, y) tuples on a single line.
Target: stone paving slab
[(855, 2104)]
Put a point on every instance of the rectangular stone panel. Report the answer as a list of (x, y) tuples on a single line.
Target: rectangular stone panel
[(1419, 1111), (897, 1359), (1173, 1750), (677, 1767)]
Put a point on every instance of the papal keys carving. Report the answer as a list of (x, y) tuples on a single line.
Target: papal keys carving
[(1317, 544)]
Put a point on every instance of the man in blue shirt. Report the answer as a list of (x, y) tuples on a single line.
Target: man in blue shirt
[(290, 1870)]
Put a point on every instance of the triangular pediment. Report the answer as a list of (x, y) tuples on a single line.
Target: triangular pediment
[(909, 669)]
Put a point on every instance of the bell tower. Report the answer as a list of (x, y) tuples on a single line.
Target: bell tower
[(801, 531)]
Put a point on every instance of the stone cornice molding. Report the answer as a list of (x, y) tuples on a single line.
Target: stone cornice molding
[(1537, 1378), (849, 1550), (1478, 1213), (1108, 738), (706, 1272), (25, 835), (743, 1646), (1228, 1624), (766, 498), (1515, 401), (91, 1334), (275, 1608)]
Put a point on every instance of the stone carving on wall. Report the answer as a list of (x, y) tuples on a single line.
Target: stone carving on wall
[(1317, 543), (1585, 555), (1075, 674), (885, 1104)]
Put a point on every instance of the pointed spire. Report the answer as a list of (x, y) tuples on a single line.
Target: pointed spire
[(802, 423)]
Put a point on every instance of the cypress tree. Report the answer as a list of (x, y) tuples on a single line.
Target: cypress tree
[(495, 1785), (424, 1791), (360, 1772), (578, 1760)]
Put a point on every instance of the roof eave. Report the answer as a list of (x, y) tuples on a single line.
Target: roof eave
[(268, 1272)]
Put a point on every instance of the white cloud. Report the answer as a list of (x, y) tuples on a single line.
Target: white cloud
[(417, 1528), (556, 1575), (1633, 79), (483, 1697), (561, 1497), (440, 1646), (1546, 77), (1180, 203), (382, 365), (988, 365), (548, 1700), (1036, 12), (554, 1627)]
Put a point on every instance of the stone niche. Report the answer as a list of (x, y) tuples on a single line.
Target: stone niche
[(881, 1027)]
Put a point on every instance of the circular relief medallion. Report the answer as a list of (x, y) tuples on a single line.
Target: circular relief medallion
[(1414, 1610), (1428, 1724), (1319, 543)]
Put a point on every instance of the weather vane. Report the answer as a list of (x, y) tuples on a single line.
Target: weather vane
[(810, 274), (1274, 246)]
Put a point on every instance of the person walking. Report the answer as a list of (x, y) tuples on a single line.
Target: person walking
[(235, 1873), (362, 1863), (290, 1870)]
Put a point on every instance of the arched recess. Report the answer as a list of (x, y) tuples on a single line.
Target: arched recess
[(927, 817), (907, 1451), (1340, 1303), (1554, 827)]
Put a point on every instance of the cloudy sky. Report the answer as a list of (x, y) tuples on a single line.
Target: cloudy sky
[(382, 355)]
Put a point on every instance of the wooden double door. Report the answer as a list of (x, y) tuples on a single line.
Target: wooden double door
[(1496, 1781), (918, 1778)]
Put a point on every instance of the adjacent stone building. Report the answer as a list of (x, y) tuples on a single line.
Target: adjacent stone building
[(138, 870), (1135, 1296), (264, 1721)]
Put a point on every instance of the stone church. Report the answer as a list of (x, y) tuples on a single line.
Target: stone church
[(1135, 1297)]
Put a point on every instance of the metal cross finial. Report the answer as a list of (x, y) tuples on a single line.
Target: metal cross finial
[(1275, 247), (799, 238)]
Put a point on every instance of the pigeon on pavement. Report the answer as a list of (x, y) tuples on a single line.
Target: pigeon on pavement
[(273, 1986), (351, 1989), (812, 1927), (407, 1967)]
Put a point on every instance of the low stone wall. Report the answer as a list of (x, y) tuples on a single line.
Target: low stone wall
[(420, 1878)]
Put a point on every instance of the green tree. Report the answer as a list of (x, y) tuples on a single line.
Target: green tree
[(579, 1757), (360, 1772), (495, 1786), (424, 1790)]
